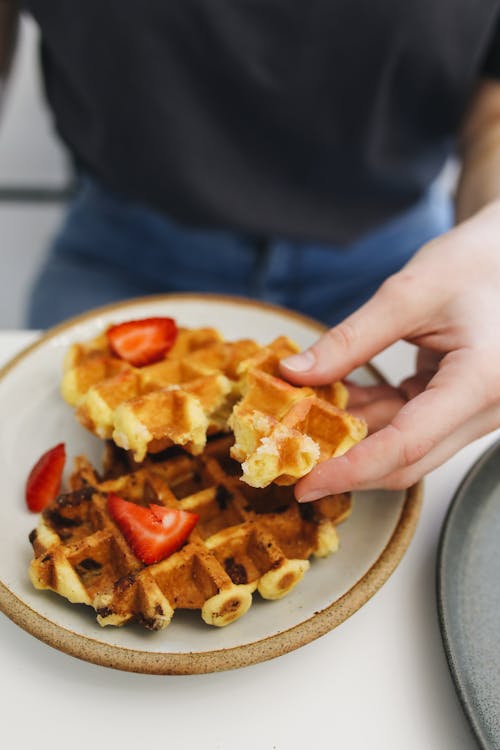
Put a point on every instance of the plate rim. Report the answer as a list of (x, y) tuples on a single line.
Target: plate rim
[(172, 663), (457, 671)]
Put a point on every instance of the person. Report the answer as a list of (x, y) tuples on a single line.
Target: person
[(290, 151)]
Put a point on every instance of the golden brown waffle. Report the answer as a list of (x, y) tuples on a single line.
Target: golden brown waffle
[(282, 431), (245, 540), (205, 385), (176, 401)]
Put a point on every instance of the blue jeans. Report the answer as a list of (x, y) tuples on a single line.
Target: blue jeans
[(110, 249)]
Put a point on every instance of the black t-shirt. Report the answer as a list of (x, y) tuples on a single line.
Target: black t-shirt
[(308, 119)]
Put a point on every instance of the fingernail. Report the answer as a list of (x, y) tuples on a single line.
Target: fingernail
[(300, 362), (313, 495)]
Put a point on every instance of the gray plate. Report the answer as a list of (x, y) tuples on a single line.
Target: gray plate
[(468, 592)]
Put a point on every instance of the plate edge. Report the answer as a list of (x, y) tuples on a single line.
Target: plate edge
[(458, 682)]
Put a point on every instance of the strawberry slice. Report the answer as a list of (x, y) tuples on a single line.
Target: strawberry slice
[(153, 533), (142, 342), (44, 479)]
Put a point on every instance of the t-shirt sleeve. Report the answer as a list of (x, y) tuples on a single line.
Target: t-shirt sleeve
[(491, 63)]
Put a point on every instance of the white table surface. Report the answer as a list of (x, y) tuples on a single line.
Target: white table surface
[(380, 680)]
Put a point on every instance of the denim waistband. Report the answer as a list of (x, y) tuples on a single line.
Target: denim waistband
[(325, 281)]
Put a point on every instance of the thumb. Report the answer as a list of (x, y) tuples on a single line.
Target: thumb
[(382, 320)]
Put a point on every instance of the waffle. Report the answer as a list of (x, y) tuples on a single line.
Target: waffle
[(177, 401), (205, 385), (246, 540), (282, 431)]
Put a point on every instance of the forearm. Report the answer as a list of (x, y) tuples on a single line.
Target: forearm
[(479, 145)]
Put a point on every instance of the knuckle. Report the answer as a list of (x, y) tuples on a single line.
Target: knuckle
[(342, 336), (416, 450), (399, 481), (479, 371), (489, 396), (486, 368), (495, 400), (401, 286), (411, 449)]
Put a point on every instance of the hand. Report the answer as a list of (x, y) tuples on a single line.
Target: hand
[(446, 301)]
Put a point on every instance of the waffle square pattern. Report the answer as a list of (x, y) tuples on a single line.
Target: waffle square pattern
[(247, 540)]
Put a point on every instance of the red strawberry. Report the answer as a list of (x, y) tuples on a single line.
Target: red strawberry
[(153, 533), (142, 342), (44, 480)]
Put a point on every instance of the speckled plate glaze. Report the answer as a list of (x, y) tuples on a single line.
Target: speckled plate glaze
[(34, 417), (468, 591)]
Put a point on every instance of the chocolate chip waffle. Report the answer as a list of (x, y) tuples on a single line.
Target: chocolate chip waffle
[(246, 540)]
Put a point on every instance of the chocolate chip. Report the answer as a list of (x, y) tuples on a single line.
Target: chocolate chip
[(58, 520), (149, 622), (306, 511), (70, 499), (104, 612), (124, 583), (236, 571), (223, 496), (89, 564)]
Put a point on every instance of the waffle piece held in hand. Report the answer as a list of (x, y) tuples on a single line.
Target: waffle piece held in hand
[(245, 540), (282, 431)]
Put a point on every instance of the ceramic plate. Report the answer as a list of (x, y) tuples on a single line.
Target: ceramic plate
[(468, 580), (34, 417)]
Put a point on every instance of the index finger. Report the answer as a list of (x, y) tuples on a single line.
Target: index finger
[(391, 314), (452, 397)]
